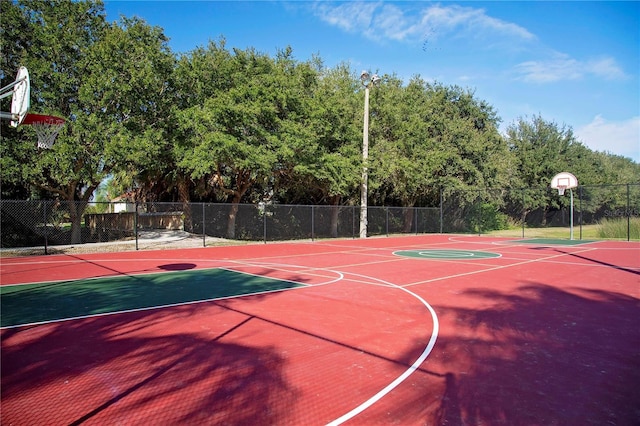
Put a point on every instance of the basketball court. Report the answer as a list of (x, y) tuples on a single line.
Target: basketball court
[(425, 329), (429, 329)]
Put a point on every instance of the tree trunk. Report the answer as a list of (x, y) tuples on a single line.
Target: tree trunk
[(185, 199), (243, 183), (76, 209), (231, 222), (76, 228), (335, 210), (408, 216)]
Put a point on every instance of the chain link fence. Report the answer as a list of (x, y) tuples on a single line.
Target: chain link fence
[(46, 226)]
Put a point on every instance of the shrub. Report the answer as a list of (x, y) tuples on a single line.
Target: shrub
[(617, 228), (487, 217)]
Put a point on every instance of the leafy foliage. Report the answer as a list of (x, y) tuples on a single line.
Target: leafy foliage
[(231, 125), (112, 107)]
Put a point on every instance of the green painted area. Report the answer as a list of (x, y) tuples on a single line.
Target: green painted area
[(447, 254), (553, 241), (33, 303)]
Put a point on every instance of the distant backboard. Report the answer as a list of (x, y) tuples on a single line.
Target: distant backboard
[(563, 181)]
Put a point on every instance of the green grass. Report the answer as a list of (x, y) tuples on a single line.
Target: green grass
[(607, 229), (618, 228)]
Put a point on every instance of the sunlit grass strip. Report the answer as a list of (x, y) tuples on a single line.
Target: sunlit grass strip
[(608, 229), (617, 228)]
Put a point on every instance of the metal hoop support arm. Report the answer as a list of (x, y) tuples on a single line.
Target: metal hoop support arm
[(6, 91)]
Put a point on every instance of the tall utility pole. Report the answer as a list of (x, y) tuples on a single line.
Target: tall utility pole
[(367, 81)]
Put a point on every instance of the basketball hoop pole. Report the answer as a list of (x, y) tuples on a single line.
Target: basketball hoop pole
[(561, 190), (571, 231)]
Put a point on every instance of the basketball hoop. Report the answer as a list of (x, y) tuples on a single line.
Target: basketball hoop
[(47, 128), (561, 182)]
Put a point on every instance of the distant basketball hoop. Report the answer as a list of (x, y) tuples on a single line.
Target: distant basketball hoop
[(47, 128), (562, 182)]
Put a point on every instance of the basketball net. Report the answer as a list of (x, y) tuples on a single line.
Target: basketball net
[(46, 127), (47, 133), (561, 189)]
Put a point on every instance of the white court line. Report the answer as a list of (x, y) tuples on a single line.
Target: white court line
[(150, 308), (494, 268), (355, 411), (416, 364), (171, 305), (391, 386), (114, 274), (281, 266)]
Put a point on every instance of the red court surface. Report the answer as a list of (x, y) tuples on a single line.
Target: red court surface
[(541, 335)]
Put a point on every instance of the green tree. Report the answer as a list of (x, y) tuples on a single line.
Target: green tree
[(329, 171), (125, 104), (401, 169), (107, 80), (542, 149), (249, 131), (199, 75), (426, 136)]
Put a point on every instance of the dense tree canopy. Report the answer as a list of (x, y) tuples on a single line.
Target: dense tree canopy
[(113, 107), (253, 130), (230, 125)]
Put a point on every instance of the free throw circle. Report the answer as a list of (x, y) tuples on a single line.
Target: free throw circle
[(447, 254)]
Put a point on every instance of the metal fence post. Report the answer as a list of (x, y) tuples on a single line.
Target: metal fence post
[(46, 227), (135, 222), (353, 222), (204, 222), (523, 208), (312, 223), (441, 215), (628, 213), (580, 207), (386, 209)]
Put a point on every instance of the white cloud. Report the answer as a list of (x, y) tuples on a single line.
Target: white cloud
[(606, 68), (562, 67), (350, 17), (456, 17), (616, 137), (380, 21)]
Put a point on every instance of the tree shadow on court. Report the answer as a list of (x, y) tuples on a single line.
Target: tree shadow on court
[(538, 355), (177, 266), (170, 367)]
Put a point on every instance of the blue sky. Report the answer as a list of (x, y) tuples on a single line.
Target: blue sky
[(575, 63)]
